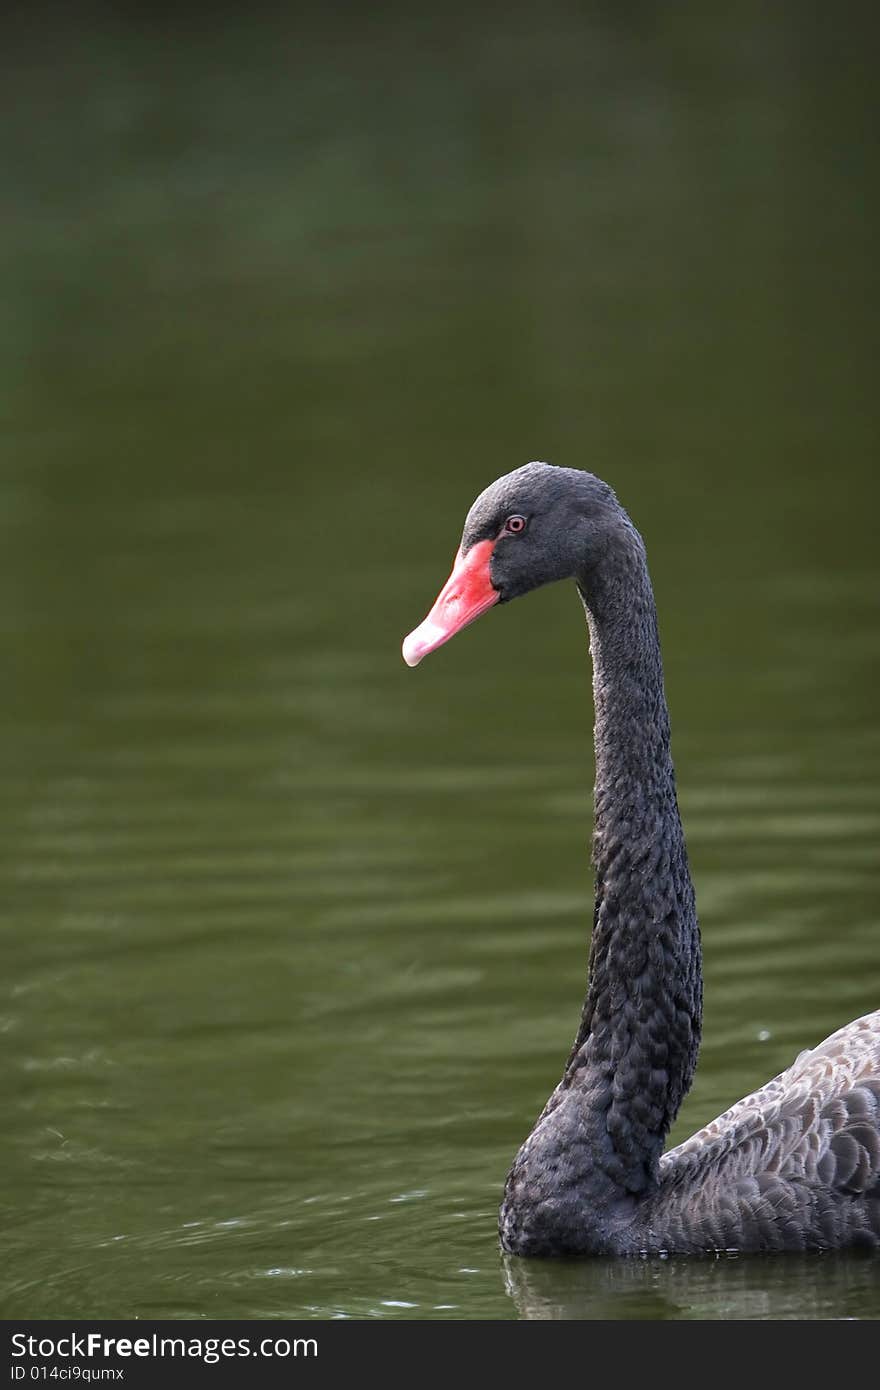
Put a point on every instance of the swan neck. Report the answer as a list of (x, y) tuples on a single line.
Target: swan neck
[(583, 1181), (636, 1049)]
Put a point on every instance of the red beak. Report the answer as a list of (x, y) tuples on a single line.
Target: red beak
[(467, 593)]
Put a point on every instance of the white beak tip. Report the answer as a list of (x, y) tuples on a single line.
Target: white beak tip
[(427, 637), (411, 654)]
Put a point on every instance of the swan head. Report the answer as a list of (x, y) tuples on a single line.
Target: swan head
[(530, 527)]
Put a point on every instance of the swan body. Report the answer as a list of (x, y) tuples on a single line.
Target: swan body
[(795, 1165)]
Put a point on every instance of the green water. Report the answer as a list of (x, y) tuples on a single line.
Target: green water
[(294, 937)]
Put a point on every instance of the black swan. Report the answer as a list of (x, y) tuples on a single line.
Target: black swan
[(796, 1165)]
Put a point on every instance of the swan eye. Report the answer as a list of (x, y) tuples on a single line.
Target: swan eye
[(514, 525)]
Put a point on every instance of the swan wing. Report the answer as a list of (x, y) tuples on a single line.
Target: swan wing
[(795, 1165)]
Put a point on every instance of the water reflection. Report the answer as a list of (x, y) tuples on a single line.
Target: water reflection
[(801, 1287)]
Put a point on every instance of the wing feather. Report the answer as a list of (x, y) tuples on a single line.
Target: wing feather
[(795, 1165)]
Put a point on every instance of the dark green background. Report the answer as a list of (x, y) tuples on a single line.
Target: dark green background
[(295, 938)]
